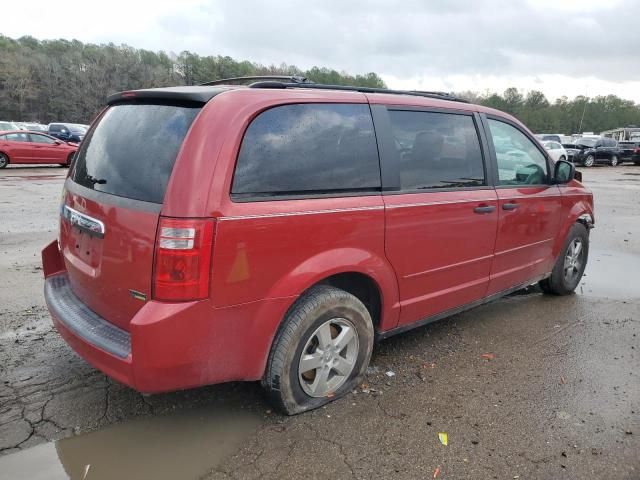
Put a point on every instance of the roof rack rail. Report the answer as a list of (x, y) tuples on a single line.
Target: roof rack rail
[(294, 79), (321, 86)]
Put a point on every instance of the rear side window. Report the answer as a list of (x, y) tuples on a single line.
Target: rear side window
[(437, 150), (308, 149), (17, 137), (54, 128), (131, 152)]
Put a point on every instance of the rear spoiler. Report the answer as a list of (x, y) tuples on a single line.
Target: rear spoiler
[(198, 94)]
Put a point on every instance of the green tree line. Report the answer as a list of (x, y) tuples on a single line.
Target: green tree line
[(564, 116), (67, 80)]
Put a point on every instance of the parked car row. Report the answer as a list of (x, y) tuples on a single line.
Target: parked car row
[(34, 143), (23, 147), (69, 132), (591, 150)]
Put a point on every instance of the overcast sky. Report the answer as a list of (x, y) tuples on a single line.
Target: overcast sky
[(562, 47)]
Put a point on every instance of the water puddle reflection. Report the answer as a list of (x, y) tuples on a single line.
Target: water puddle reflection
[(185, 445), (611, 275)]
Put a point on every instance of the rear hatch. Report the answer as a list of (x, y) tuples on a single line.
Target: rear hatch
[(112, 204)]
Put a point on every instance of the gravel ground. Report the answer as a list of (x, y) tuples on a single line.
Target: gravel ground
[(530, 386)]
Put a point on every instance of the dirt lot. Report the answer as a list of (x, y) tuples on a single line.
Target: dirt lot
[(531, 386)]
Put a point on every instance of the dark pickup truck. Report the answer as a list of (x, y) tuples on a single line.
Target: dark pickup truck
[(630, 152)]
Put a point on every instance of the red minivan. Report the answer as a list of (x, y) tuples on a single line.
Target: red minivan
[(274, 231)]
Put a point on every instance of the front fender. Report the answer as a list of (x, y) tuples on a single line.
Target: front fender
[(345, 260), (577, 211)]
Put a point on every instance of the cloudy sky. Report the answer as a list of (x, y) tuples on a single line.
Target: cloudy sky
[(562, 47)]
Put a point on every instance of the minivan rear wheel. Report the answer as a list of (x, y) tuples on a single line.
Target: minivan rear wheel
[(614, 160), (320, 352), (570, 264)]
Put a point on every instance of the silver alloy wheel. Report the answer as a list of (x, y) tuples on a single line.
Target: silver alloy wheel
[(4, 161), (328, 358), (589, 161), (573, 260), (614, 161)]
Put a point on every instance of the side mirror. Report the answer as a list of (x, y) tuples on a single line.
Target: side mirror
[(564, 172), (57, 142)]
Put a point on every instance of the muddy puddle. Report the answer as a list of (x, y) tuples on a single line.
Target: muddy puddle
[(185, 445), (611, 275)]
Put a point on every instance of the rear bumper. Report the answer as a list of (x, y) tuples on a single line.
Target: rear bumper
[(631, 157), (168, 346), (76, 317)]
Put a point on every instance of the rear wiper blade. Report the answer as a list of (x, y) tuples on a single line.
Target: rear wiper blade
[(93, 180)]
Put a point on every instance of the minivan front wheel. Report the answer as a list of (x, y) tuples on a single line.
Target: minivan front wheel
[(571, 263), (320, 352)]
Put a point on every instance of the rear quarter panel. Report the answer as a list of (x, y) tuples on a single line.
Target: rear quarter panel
[(275, 249), (297, 244)]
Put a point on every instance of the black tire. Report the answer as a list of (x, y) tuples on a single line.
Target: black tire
[(589, 161), (312, 311), (4, 160), (614, 161), (560, 282)]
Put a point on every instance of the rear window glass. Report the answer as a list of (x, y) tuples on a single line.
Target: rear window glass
[(437, 150), (131, 151), (308, 149)]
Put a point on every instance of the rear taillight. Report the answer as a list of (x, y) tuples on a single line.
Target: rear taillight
[(637, 150), (183, 259)]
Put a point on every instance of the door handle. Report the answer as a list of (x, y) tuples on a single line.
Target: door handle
[(485, 209), (510, 206)]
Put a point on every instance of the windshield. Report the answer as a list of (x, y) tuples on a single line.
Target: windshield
[(587, 142), (131, 152)]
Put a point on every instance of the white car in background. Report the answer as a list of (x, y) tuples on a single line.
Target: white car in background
[(556, 150), (7, 126)]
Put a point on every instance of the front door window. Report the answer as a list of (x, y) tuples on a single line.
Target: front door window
[(520, 162)]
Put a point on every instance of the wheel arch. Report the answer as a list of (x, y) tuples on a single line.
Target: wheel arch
[(364, 274), (580, 213)]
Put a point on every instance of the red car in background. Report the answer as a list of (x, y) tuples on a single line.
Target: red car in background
[(31, 148)]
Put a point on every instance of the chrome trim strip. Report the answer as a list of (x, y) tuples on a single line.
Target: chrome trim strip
[(446, 267), (509, 250), (355, 209), (443, 202), (84, 222), (311, 212)]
